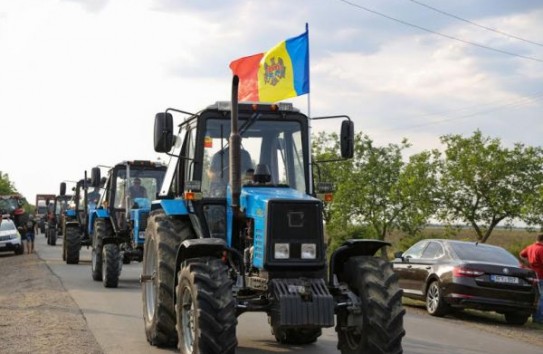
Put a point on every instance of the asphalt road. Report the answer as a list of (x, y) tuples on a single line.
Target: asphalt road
[(115, 318)]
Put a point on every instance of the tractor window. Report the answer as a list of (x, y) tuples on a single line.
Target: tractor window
[(119, 191), (189, 164)]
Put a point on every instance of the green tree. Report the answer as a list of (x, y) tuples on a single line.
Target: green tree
[(483, 183), (418, 191), (6, 186), (383, 191)]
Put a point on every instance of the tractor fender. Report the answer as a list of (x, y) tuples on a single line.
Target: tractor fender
[(102, 213), (72, 223), (111, 238), (171, 206), (352, 248), (200, 247), (203, 247)]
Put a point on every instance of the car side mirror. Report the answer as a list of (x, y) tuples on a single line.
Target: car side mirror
[(163, 134), (399, 255)]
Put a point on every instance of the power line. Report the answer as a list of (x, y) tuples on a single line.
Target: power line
[(439, 33), (512, 104), (475, 24)]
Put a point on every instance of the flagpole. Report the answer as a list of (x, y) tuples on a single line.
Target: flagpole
[(310, 166), (309, 76)]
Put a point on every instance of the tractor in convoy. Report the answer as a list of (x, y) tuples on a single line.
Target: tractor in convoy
[(56, 214), (43, 202), (77, 223), (121, 218), (237, 227)]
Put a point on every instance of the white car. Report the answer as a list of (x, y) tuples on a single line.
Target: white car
[(10, 238)]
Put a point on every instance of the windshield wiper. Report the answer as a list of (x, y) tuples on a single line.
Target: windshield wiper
[(254, 117)]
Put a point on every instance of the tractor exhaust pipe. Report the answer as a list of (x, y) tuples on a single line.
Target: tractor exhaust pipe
[(235, 147)]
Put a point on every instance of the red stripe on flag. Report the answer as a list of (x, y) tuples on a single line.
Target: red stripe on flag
[(246, 69)]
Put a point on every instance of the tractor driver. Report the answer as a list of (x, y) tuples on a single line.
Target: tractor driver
[(136, 190), (219, 170)]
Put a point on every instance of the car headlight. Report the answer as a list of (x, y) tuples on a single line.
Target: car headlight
[(14, 236), (282, 251), (309, 251)]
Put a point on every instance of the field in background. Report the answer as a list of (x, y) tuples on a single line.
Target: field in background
[(514, 240)]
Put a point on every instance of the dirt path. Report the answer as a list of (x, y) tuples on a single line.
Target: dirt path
[(36, 313)]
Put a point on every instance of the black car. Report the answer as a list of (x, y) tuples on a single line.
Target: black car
[(450, 274)]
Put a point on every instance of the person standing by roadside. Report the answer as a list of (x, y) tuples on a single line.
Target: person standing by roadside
[(29, 228), (533, 257)]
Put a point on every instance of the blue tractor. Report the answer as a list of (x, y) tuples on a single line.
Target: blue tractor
[(57, 214), (77, 224), (120, 220), (237, 227)]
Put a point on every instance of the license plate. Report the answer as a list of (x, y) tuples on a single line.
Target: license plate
[(504, 279)]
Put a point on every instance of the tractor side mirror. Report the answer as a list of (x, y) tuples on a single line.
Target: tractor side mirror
[(347, 139), (63, 188), (164, 138), (95, 177)]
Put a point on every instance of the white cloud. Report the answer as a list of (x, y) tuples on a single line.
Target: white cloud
[(80, 82)]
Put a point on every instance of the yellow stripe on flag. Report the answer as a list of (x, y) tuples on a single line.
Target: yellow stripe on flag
[(275, 75)]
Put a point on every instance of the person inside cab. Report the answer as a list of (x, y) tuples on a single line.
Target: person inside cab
[(219, 170)]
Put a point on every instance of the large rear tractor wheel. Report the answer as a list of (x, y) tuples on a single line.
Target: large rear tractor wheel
[(380, 321), (163, 236), (73, 245), (205, 308), (111, 265), (101, 229)]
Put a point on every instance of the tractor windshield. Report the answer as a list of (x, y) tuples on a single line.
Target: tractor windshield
[(277, 146), (144, 183)]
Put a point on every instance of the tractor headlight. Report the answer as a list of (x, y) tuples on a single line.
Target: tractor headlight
[(282, 251), (309, 251)]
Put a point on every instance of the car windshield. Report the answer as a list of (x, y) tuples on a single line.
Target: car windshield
[(7, 226), (483, 253)]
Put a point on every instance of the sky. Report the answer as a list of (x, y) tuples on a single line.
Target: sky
[(81, 80)]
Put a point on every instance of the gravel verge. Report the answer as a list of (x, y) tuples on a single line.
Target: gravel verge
[(37, 313)]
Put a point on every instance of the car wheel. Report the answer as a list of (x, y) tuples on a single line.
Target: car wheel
[(515, 318), (435, 304)]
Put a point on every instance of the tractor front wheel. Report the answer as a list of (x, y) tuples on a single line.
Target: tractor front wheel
[(101, 230), (72, 242), (205, 308), (380, 327), (111, 265)]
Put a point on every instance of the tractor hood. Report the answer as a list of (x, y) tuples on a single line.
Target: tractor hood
[(254, 199)]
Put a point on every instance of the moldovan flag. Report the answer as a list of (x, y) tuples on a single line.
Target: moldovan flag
[(281, 72)]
